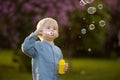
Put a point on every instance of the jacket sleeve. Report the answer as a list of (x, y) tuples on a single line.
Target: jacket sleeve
[(28, 46)]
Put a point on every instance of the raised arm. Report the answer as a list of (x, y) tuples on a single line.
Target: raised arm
[(28, 46)]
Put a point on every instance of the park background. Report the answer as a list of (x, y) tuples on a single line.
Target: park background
[(91, 54)]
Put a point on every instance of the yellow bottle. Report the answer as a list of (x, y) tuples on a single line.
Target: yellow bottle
[(61, 66)]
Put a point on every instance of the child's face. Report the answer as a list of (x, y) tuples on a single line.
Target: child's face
[(49, 31)]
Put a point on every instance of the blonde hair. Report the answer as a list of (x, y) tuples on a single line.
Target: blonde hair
[(42, 22)]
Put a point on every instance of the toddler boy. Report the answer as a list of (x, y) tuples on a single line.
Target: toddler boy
[(45, 54)]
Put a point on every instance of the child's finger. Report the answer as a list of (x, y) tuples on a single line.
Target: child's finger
[(66, 66)]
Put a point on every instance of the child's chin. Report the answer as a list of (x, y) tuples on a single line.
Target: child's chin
[(51, 38)]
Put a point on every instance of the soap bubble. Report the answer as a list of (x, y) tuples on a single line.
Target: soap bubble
[(91, 27), (50, 33), (69, 28), (79, 37), (91, 10), (82, 3), (89, 1), (89, 50), (83, 31), (84, 18), (83, 72), (102, 23), (100, 6)]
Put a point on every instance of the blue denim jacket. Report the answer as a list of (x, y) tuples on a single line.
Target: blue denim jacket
[(45, 58)]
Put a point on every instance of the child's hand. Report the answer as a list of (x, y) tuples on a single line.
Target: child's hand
[(37, 32), (66, 67)]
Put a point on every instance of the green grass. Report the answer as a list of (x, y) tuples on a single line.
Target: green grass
[(94, 69), (6, 57), (10, 70), (79, 69)]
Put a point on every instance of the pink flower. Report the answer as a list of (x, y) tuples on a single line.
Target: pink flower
[(27, 7), (111, 3)]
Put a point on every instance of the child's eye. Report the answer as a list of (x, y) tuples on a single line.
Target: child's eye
[(55, 28), (48, 27)]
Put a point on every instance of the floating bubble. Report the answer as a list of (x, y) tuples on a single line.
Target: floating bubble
[(100, 6), (91, 27), (79, 37), (84, 18), (91, 10), (89, 1), (83, 72), (69, 28), (89, 50), (102, 23), (82, 3), (83, 31)]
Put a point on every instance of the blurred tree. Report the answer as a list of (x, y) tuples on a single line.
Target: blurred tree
[(92, 42), (112, 45), (18, 18)]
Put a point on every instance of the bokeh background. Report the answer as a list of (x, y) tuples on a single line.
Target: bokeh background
[(93, 53)]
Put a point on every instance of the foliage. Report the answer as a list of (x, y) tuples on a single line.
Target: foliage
[(19, 17), (112, 39), (75, 42)]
